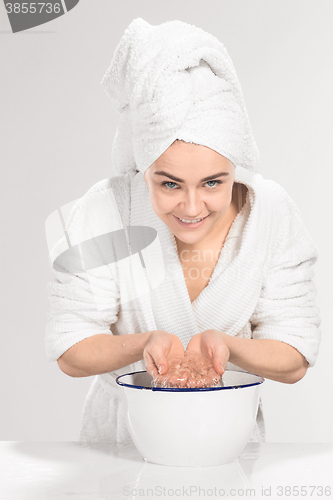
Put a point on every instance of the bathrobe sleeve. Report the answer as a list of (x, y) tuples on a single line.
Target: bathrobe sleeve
[(286, 308), (86, 303)]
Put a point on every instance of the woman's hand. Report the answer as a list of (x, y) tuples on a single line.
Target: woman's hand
[(162, 352), (210, 353), (202, 364), (193, 370)]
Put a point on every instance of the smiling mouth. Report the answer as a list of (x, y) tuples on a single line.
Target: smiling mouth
[(191, 221)]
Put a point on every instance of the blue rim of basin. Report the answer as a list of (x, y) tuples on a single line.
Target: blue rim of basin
[(186, 389)]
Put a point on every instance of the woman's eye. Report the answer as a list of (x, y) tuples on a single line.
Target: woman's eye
[(174, 185), (216, 182), (170, 187)]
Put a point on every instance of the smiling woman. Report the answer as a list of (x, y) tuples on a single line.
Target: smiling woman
[(198, 211), (188, 198), (228, 281)]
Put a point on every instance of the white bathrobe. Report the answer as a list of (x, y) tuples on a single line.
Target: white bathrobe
[(262, 286)]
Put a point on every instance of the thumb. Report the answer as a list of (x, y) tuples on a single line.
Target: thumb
[(156, 361), (220, 358)]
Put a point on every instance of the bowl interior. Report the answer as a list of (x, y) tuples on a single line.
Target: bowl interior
[(231, 379)]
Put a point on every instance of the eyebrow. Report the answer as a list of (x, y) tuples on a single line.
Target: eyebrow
[(210, 177)]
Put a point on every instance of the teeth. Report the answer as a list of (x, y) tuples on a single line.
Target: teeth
[(191, 221)]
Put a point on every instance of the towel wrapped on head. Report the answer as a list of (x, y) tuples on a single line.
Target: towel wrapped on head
[(175, 81)]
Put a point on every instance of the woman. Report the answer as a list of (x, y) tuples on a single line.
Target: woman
[(184, 300)]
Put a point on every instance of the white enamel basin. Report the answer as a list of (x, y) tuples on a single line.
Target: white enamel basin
[(191, 427)]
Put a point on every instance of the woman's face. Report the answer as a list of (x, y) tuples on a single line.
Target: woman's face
[(190, 182)]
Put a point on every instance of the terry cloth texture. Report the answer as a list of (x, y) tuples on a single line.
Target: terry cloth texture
[(261, 288), (175, 81)]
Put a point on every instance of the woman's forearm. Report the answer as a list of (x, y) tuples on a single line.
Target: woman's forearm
[(103, 353), (267, 358)]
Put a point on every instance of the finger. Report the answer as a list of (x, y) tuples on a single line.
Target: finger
[(179, 379), (150, 365), (203, 382), (220, 358), (192, 383), (214, 376), (159, 358)]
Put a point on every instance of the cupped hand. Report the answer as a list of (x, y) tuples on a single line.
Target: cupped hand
[(201, 365), (162, 352), (211, 353)]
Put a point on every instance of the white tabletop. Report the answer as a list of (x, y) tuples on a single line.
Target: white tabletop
[(62, 470)]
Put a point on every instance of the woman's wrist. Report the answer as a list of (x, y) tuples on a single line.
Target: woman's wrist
[(103, 353), (268, 358), (227, 339)]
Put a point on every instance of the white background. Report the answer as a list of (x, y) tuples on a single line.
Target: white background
[(57, 126)]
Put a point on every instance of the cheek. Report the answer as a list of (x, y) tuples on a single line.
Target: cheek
[(162, 203), (220, 202)]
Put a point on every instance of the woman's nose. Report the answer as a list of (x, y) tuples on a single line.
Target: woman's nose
[(192, 204)]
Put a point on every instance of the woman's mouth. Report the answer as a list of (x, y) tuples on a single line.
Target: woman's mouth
[(191, 223)]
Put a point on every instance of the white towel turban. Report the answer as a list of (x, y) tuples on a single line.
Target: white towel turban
[(175, 81)]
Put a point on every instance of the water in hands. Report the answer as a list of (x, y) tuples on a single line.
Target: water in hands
[(193, 370)]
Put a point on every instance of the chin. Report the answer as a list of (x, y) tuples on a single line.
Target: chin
[(185, 237)]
